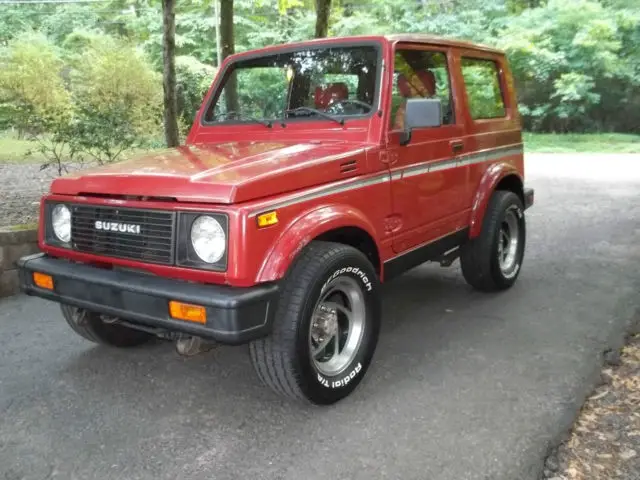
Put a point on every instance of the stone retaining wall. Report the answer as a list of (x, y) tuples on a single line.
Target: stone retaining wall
[(13, 245)]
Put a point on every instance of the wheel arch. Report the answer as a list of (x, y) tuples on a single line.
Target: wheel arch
[(333, 223), (512, 183), (357, 238), (500, 176)]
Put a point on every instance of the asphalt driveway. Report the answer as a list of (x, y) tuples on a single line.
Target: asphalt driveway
[(463, 386)]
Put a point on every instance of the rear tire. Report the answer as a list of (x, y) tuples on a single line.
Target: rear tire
[(493, 260), (89, 325), (326, 326)]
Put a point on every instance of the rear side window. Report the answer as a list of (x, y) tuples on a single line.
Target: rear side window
[(482, 82)]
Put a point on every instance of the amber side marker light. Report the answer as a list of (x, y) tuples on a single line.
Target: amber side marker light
[(267, 219), (43, 280), (187, 312)]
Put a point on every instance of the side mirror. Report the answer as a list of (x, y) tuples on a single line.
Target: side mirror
[(421, 113)]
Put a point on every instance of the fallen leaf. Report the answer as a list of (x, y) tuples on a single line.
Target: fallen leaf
[(599, 395), (628, 454)]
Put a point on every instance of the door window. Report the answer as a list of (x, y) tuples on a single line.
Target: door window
[(482, 82), (420, 74)]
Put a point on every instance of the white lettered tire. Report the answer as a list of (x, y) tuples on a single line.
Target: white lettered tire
[(326, 327)]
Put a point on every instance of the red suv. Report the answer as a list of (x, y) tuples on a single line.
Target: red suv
[(312, 173)]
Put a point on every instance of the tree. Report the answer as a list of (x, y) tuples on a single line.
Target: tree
[(226, 28), (575, 63), (519, 6), (171, 133), (228, 48), (113, 113), (323, 9), (575, 66)]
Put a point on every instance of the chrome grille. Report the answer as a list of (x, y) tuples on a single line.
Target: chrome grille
[(154, 243)]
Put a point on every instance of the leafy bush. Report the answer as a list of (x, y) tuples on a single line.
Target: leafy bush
[(576, 66), (100, 100), (32, 88), (117, 98), (194, 79), (575, 63)]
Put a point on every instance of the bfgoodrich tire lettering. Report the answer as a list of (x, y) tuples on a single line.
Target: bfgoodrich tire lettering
[(284, 360), (493, 260)]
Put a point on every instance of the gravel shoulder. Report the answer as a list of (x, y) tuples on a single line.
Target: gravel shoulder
[(21, 188), (604, 443)]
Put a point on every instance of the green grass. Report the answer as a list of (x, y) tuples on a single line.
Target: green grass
[(19, 227), (582, 143), (14, 150)]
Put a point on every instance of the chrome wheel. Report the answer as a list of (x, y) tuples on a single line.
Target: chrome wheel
[(508, 243), (337, 326)]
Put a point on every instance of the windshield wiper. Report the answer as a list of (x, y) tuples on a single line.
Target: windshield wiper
[(240, 116), (317, 112)]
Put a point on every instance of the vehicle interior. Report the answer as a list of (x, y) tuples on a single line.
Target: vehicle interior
[(419, 74), (337, 81)]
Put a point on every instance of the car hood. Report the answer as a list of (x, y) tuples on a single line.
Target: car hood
[(222, 173)]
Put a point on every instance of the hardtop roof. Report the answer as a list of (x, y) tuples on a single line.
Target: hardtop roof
[(393, 38), (436, 40)]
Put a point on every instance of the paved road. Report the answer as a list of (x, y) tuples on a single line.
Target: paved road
[(464, 385)]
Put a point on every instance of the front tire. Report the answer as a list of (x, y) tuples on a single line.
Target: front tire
[(493, 260), (326, 326), (91, 326)]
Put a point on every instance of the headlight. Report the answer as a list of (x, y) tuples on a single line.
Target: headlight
[(208, 239), (61, 222)]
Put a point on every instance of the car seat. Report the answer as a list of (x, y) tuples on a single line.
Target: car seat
[(333, 92), (420, 84)]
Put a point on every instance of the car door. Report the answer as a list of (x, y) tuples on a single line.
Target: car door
[(428, 186)]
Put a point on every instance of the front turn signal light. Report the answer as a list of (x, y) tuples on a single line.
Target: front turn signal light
[(43, 280), (267, 219), (187, 312)]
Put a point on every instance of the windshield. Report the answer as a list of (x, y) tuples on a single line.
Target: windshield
[(336, 81)]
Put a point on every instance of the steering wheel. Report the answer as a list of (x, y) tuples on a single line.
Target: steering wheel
[(348, 101)]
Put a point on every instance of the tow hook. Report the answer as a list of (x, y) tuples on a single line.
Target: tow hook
[(189, 346)]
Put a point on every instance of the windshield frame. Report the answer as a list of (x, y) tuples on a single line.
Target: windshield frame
[(221, 77)]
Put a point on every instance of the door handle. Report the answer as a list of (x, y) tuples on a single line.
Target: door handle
[(388, 157), (456, 146)]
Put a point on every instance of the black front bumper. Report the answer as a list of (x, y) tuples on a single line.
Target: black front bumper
[(528, 197), (234, 315)]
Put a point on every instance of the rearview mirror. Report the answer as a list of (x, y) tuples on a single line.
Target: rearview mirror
[(421, 113)]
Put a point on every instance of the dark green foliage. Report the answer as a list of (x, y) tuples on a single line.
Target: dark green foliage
[(93, 100), (576, 65), (575, 62), (194, 79), (483, 87)]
